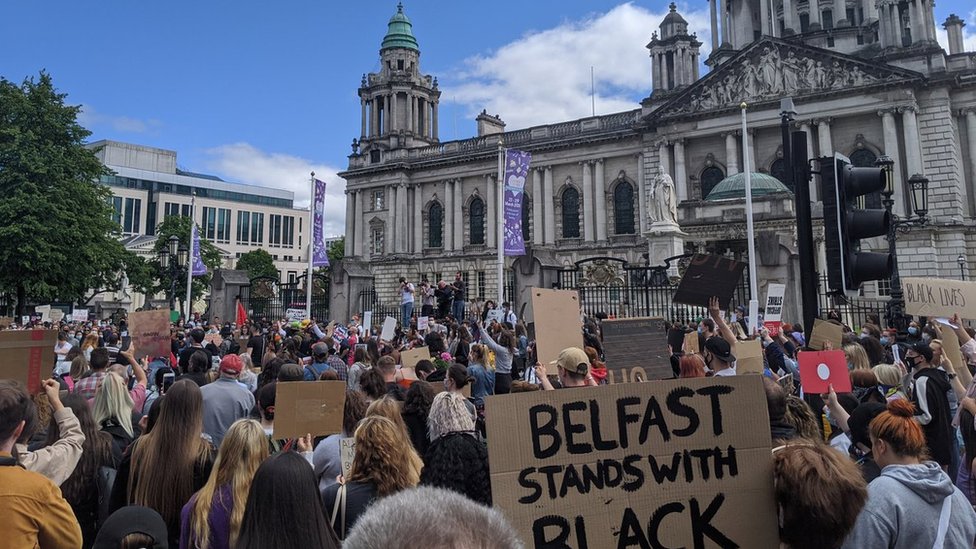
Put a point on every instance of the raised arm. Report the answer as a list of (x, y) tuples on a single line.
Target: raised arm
[(723, 327)]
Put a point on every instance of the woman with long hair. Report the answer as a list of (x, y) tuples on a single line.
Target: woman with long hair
[(372, 385), (327, 458), (283, 507), (483, 383), (90, 343), (212, 517), (504, 349), (166, 466), (416, 406), (81, 489), (448, 414), (384, 463), (857, 358), (691, 366), (112, 411)]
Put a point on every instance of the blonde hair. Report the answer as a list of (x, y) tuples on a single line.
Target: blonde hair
[(243, 449), (90, 342), (857, 357), (391, 409), (448, 414), (79, 366), (888, 374), (384, 457), (112, 401)]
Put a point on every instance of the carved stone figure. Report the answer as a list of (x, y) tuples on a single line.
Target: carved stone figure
[(769, 67), (749, 79), (791, 73), (663, 204)]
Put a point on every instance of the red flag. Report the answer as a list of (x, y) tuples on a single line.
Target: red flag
[(241, 314), (819, 369)]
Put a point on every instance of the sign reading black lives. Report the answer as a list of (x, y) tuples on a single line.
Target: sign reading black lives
[(675, 463), (708, 276), (636, 350)]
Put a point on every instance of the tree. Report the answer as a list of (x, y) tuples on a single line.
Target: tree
[(257, 263), (57, 239), (180, 227), (337, 251)]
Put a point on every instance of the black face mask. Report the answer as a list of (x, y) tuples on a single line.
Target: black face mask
[(911, 362), (708, 360)]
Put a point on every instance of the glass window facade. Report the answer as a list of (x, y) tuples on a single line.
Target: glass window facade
[(202, 192)]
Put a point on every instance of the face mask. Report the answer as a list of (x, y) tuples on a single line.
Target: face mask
[(885, 341), (865, 335), (910, 362), (699, 329), (708, 360), (913, 330)]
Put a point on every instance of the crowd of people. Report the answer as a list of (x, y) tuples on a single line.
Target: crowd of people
[(180, 450)]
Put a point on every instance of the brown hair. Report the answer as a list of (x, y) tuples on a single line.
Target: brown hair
[(897, 427), (353, 411), (386, 365), (384, 457), (801, 417), (391, 409), (690, 366), (863, 378)]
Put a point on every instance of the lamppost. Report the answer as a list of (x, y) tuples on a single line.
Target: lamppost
[(919, 187), (172, 259), (961, 260)]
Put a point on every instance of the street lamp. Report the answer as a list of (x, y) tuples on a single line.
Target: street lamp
[(919, 186), (961, 260), (172, 259)]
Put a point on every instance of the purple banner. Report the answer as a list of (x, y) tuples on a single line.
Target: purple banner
[(195, 259), (320, 255), (516, 168)]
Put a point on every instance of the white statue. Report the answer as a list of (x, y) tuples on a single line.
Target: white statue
[(663, 204)]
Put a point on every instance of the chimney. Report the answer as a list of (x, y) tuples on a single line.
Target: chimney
[(953, 26), (489, 125)]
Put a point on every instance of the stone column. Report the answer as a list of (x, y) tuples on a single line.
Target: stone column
[(360, 232), (391, 220), (402, 237), (491, 200), (393, 111), (664, 72), (641, 200), (815, 18), (724, 17), (549, 206), (447, 234), (731, 154), (433, 124), (587, 202), (664, 157), (351, 221), (387, 124), (789, 17), (600, 193), (713, 9), (680, 173), (823, 135), (418, 219), (764, 18), (458, 215), (930, 22), (870, 11), (970, 115), (362, 131), (890, 132), (537, 202), (655, 71), (913, 154), (374, 117), (895, 26)]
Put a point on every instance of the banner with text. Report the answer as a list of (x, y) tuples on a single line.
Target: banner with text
[(516, 168), (940, 297), (196, 260), (320, 256)]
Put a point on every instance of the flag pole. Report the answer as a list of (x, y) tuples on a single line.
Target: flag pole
[(189, 260), (500, 222), (750, 229), (311, 248)]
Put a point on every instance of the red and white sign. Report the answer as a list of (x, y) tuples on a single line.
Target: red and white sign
[(774, 327), (821, 369)]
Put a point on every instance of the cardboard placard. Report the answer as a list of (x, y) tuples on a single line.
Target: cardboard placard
[(615, 463), (347, 451), (774, 302), (56, 315), (149, 331), (409, 359), (825, 331), (44, 311), (748, 357), (709, 276), (295, 315), (556, 322), (303, 407), (636, 349), (820, 369), (24, 320), (389, 329), (367, 322), (939, 297), (80, 315), (950, 347), (6, 321), (423, 322), (690, 345), (27, 356)]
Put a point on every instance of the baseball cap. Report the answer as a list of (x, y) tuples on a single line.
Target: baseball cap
[(573, 359), (924, 350), (720, 348), (320, 349), (231, 364), (132, 519)]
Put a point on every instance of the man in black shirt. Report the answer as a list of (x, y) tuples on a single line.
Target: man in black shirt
[(457, 309), (255, 345), (196, 344), (443, 294)]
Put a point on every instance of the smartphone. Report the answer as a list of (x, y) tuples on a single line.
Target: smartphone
[(168, 380), (786, 382)]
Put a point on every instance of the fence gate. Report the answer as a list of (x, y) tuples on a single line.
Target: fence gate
[(267, 298)]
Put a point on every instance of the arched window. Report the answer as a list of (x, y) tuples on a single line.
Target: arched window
[(435, 218), (526, 217), (710, 177), (623, 208), (778, 170), (476, 220), (864, 158), (570, 204)]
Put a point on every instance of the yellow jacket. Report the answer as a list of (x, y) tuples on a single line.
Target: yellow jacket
[(35, 515)]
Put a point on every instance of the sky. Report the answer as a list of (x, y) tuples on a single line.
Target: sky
[(265, 92)]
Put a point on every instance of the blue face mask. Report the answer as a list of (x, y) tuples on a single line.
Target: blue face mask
[(864, 335), (885, 341), (913, 330), (699, 329)]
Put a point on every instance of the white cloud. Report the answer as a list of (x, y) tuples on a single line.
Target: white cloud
[(245, 163), (90, 118), (544, 77)]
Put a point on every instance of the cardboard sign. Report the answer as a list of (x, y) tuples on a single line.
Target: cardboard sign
[(709, 276), (939, 297), (56, 315), (347, 451), (819, 369), (6, 321), (81, 315), (666, 464), (24, 320), (774, 327), (557, 322), (367, 322), (748, 357), (149, 333), (690, 345), (423, 322), (636, 349), (295, 315), (409, 359), (303, 407), (951, 349), (774, 301), (27, 356), (495, 315), (825, 331), (389, 329)]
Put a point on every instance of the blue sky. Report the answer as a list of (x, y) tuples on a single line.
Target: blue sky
[(263, 92)]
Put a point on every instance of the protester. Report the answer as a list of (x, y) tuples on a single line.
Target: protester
[(930, 386), (780, 429), (112, 413), (99, 363), (458, 461), (133, 527), (691, 366), (448, 414), (284, 509), (457, 306), (356, 370), (456, 380), (196, 344), (384, 464), (212, 517), (572, 368), (327, 457), (391, 409), (248, 377), (913, 503), (801, 418), (598, 369), (225, 400), (320, 362), (403, 520), (504, 350), (58, 460), (406, 301), (372, 385), (718, 356), (266, 411), (291, 372), (889, 382), (967, 467), (198, 365), (416, 409), (386, 367)]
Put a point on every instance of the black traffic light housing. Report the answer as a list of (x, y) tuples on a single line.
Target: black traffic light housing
[(845, 225)]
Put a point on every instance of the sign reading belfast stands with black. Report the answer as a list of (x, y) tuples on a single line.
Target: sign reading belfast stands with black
[(682, 463)]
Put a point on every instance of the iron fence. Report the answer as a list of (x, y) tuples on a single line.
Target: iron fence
[(268, 299), (853, 310)]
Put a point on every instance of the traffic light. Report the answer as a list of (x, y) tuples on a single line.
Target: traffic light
[(845, 225)]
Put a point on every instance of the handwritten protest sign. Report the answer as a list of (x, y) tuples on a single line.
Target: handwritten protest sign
[(824, 331), (691, 343), (748, 357), (636, 349), (149, 331), (295, 315), (303, 407), (557, 322), (44, 311), (939, 297), (56, 315), (708, 276), (347, 451), (409, 359), (27, 355), (676, 463), (950, 347), (423, 322), (389, 329), (495, 315)]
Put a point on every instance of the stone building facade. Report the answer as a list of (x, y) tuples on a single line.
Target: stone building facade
[(866, 82)]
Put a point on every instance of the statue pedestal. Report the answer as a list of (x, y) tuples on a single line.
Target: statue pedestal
[(665, 240)]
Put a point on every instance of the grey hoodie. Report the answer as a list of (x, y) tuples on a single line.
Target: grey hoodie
[(903, 508)]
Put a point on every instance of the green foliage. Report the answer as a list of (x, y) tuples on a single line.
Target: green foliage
[(257, 263), (57, 236), (337, 251), (180, 227)]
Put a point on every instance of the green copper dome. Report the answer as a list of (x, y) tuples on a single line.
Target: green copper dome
[(399, 33), (734, 186)]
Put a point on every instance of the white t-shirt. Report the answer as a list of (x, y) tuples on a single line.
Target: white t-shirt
[(726, 372), (407, 293)]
